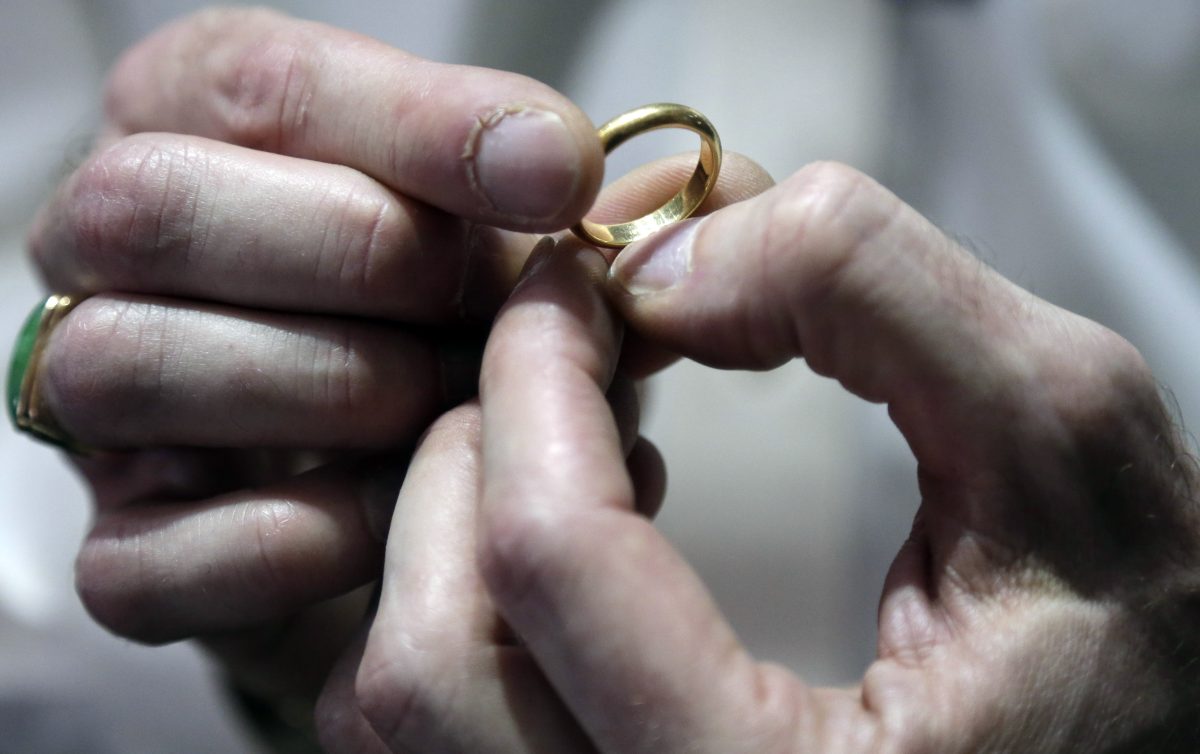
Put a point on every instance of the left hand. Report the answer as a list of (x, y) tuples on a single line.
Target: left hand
[(292, 236)]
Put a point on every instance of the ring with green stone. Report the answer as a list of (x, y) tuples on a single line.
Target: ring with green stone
[(25, 406)]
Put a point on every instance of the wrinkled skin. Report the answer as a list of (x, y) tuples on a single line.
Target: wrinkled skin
[(290, 231)]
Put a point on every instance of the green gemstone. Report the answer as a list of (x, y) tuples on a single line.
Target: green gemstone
[(21, 354)]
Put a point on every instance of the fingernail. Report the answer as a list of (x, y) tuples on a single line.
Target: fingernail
[(657, 263), (526, 164), (379, 491)]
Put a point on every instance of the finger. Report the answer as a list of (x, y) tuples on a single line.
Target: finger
[(622, 627), (832, 267), (167, 571), (341, 725), (440, 672), (135, 372), (121, 478), (283, 664), (486, 145), (649, 187), (186, 216)]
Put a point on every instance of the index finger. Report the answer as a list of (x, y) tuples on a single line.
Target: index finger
[(622, 627), (483, 144)]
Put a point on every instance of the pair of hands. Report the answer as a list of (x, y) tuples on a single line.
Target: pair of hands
[(288, 229)]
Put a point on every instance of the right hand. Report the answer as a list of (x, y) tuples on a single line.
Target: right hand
[(279, 223), (1047, 599)]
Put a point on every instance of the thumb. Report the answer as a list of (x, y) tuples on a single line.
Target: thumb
[(831, 266), (790, 273)]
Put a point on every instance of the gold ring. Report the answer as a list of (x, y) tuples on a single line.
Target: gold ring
[(25, 406), (649, 118)]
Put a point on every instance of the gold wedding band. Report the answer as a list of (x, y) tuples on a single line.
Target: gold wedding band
[(649, 118), (25, 406)]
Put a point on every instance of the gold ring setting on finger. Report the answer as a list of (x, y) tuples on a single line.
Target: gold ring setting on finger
[(26, 407), (620, 129)]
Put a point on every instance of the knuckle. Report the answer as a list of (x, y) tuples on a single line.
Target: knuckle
[(378, 249), (517, 549), (829, 210), (264, 84), (332, 724), (198, 42), (1123, 369), (392, 690), (345, 379), (130, 203), (1099, 382), (353, 376), (774, 701), (814, 234), (365, 234), (338, 725), (271, 569), (1126, 367)]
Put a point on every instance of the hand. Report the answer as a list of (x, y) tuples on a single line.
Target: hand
[(280, 224), (1046, 600), (292, 235), (438, 670)]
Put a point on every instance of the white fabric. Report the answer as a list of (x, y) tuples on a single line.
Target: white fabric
[(1008, 121)]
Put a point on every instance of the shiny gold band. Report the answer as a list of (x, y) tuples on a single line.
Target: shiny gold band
[(27, 411), (619, 130)]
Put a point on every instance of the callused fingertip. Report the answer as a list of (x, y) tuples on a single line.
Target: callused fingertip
[(526, 165), (657, 263)]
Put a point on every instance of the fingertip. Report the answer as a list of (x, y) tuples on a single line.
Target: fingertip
[(565, 255)]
